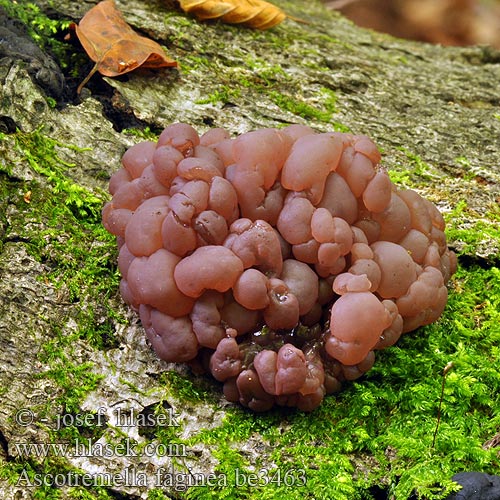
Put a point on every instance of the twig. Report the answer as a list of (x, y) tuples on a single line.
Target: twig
[(446, 369)]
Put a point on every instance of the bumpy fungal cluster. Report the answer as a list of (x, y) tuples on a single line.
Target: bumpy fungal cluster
[(278, 260)]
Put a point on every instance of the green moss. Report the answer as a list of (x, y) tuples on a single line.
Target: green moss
[(192, 62), (324, 112), (145, 134), (167, 434), (222, 95), (412, 170), (157, 494), (40, 26), (40, 151), (298, 107), (470, 230), (46, 32), (262, 73), (70, 237), (75, 380), (417, 165), (179, 19), (184, 388)]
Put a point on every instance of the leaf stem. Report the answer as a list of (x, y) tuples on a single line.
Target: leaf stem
[(446, 369)]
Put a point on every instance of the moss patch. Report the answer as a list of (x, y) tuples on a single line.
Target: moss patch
[(58, 222), (413, 171), (40, 27), (46, 32), (69, 237), (472, 231)]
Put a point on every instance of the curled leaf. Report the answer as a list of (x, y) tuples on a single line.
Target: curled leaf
[(252, 13), (114, 46)]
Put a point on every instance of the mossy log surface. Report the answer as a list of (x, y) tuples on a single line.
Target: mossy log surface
[(71, 353)]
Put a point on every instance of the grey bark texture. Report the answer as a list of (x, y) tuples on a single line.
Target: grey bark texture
[(433, 111)]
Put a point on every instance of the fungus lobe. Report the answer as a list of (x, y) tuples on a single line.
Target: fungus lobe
[(279, 261)]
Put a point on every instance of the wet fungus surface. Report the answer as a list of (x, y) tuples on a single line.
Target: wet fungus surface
[(278, 261)]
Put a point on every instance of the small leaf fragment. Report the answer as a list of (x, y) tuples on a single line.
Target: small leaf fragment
[(114, 46), (257, 14)]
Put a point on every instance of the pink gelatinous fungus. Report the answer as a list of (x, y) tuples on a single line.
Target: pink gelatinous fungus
[(357, 321), (143, 231), (256, 244), (210, 267), (225, 361), (397, 268), (138, 157), (291, 370), (172, 338), (280, 260), (311, 159), (250, 290), (303, 282), (283, 310)]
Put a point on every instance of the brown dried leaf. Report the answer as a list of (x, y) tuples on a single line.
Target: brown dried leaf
[(252, 13), (114, 46)]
